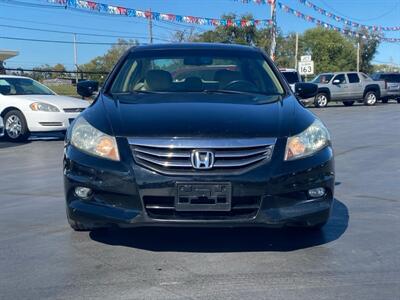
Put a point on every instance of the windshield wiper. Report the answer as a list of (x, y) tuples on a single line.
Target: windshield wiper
[(240, 92), (144, 92)]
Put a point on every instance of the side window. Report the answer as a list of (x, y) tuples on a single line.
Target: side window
[(341, 78), (353, 77), (396, 78)]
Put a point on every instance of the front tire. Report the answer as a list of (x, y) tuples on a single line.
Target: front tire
[(348, 103), (15, 126), (321, 100), (370, 98)]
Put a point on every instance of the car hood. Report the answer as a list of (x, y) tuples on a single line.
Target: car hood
[(209, 116), (59, 101)]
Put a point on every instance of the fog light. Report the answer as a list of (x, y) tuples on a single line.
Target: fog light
[(317, 192), (83, 192)]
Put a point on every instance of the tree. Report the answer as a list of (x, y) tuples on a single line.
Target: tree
[(60, 68), (331, 51), (368, 49), (181, 36), (105, 63), (230, 34)]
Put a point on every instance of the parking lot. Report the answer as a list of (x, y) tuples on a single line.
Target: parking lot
[(355, 256)]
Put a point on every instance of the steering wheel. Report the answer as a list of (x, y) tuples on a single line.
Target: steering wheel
[(241, 86)]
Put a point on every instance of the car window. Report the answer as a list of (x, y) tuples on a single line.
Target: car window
[(291, 77), (169, 71), (375, 76), (353, 77), (365, 76), (341, 78), (23, 86), (391, 77), (323, 78)]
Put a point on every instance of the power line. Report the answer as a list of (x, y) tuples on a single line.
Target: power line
[(55, 71), (362, 20), (71, 42), (30, 4), (67, 32), (68, 26)]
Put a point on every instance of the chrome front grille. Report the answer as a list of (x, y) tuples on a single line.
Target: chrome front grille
[(174, 156)]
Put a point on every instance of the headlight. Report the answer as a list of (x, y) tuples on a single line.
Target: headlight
[(306, 143), (92, 141), (39, 106)]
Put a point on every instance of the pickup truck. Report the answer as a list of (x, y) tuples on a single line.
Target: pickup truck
[(348, 87), (393, 85)]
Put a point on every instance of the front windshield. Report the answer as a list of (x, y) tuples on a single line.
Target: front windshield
[(22, 86), (195, 71), (323, 78)]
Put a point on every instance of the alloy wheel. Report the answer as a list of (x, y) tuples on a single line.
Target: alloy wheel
[(322, 100), (371, 99), (13, 126)]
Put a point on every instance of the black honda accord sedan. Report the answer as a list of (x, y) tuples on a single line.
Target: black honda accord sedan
[(197, 135)]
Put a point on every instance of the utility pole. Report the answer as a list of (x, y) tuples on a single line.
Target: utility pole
[(150, 27), (296, 53), (358, 56), (273, 28), (76, 59)]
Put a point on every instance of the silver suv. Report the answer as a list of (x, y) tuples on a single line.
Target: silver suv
[(348, 87)]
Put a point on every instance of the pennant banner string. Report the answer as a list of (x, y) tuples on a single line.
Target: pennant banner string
[(130, 12), (330, 15)]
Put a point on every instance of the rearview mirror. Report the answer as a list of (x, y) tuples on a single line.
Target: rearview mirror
[(87, 88), (336, 81), (304, 90)]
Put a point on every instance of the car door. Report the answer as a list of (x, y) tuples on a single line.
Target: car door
[(355, 86), (339, 87), (393, 84)]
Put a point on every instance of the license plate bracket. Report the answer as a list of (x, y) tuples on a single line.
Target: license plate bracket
[(203, 196)]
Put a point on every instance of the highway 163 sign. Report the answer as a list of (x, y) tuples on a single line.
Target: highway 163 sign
[(306, 67)]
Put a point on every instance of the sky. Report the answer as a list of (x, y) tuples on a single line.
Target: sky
[(17, 13)]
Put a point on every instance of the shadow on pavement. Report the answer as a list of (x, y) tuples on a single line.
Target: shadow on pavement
[(337, 105), (4, 143), (226, 239)]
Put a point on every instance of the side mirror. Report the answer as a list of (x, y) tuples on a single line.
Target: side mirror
[(5, 89), (87, 88), (305, 90), (336, 81)]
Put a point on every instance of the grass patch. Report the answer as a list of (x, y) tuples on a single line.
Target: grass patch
[(65, 90)]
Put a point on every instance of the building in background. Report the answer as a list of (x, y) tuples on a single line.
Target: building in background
[(6, 54)]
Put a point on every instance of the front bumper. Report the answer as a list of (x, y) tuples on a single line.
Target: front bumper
[(276, 191), (49, 121)]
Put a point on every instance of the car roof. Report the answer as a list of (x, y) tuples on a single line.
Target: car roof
[(386, 73), (195, 46)]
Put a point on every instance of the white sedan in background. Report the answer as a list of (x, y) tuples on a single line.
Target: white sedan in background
[(26, 106)]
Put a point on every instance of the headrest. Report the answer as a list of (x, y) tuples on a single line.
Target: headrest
[(158, 80), (193, 84)]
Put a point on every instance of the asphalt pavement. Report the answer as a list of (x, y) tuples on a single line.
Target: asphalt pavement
[(355, 256)]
